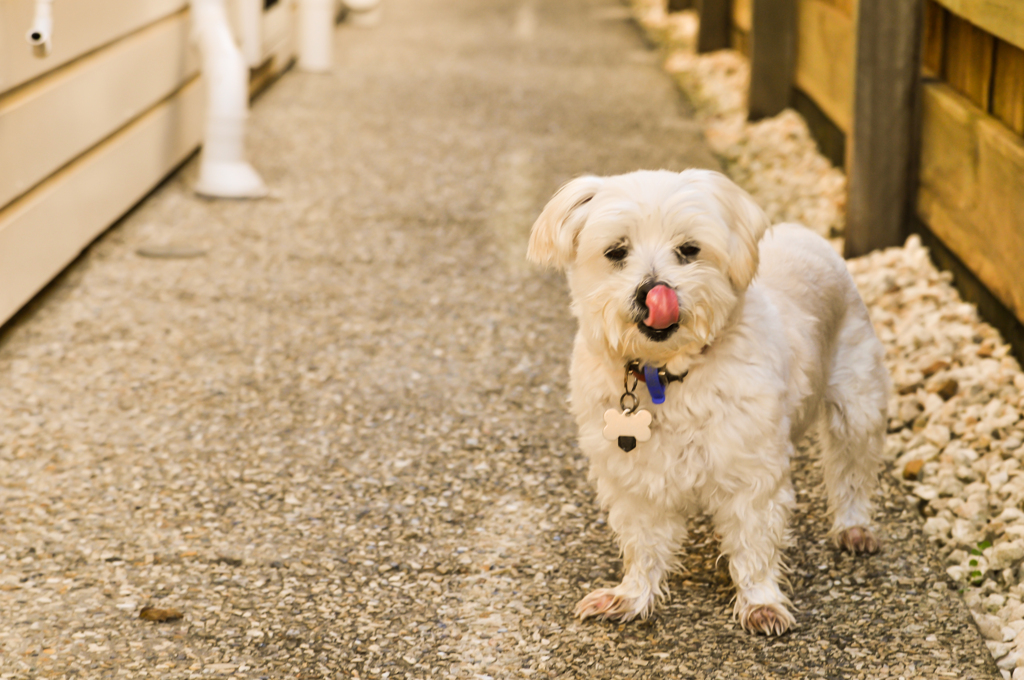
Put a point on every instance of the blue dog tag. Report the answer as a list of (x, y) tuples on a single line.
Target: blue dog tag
[(654, 385)]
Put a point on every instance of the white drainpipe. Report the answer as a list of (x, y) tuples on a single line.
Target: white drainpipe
[(316, 35), (363, 12), (223, 170), (42, 29)]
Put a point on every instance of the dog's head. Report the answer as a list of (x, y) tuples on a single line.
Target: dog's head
[(656, 260)]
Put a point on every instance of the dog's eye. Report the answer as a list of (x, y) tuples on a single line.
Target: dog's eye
[(616, 254), (687, 251)]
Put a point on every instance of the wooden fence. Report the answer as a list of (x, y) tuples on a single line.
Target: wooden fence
[(923, 102)]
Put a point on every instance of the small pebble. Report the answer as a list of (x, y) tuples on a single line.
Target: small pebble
[(160, 615), (912, 469)]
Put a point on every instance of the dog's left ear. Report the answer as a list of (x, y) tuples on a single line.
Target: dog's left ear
[(556, 232), (747, 224)]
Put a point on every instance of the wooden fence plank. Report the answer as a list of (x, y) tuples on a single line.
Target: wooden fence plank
[(934, 37), (825, 59), (1002, 18), (967, 60), (715, 25), (1008, 86), (881, 149), (972, 190), (772, 56), (847, 7), (742, 14), (740, 33)]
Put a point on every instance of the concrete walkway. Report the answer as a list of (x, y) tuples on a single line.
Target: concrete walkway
[(335, 442)]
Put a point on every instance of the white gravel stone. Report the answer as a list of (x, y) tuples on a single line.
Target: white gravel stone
[(1005, 555), (1010, 661), (937, 527)]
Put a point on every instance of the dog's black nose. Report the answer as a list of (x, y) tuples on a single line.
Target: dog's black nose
[(661, 322), (645, 288)]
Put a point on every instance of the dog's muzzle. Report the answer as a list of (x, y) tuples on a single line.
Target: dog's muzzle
[(659, 310)]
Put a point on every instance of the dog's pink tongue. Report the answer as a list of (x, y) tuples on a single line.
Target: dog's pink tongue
[(662, 307)]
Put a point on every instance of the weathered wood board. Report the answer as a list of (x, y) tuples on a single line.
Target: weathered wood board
[(715, 25), (773, 47), (880, 149), (1008, 86), (971, 192), (1002, 18), (934, 29), (742, 18), (847, 7), (967, 62), (742, 14), (825, 58)]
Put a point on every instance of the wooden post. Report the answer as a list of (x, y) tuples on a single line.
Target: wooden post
[(715, 28), (772, 57), (883, 135), (679, 5)]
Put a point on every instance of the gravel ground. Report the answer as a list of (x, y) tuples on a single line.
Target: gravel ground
[(956, 430), (333, 442)]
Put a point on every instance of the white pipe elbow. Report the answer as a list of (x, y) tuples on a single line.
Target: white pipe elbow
[(41, 32), (223, 170)]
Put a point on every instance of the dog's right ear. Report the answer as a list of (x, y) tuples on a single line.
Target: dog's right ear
[(556, 232)]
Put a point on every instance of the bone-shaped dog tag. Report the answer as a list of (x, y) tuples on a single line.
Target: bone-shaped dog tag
[(627, 428)]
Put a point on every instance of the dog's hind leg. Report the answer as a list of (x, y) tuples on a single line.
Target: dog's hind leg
[(649, 537), (854, 435)]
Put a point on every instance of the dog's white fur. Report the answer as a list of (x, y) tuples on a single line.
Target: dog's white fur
[(775, 338)]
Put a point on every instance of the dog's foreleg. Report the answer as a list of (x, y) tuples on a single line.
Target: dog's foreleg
[(753, 527), (649, 537)]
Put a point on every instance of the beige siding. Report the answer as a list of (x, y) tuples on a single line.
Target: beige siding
[(47, 228), (47, 124), (79, 27), (88, 131)]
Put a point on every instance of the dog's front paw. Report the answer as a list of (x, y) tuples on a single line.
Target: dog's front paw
[(857, 540), (767, 619), (614, 603)]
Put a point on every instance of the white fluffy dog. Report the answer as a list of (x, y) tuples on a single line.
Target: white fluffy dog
[(748, 341)]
